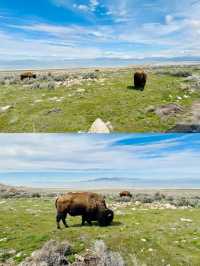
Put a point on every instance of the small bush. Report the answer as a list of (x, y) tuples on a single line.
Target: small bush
[(44, 77), (144, 198), (28, 81), (124, 199), (107, 258), (35, 85), (51, 85), (36, 195), (90, 76), (159, 196), (62, 77)]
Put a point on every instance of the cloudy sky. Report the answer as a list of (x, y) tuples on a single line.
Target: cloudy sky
[(74, 29), (169, 159)]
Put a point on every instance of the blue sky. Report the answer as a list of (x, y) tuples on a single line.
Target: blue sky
[(79, 157), (81, 29)]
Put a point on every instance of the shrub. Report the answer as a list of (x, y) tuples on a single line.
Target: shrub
[(29, 81), (159, 196), (2, 81), (35, 85), (181, 73), (107, 258), (43, 77), (51, 85), (36, 195), (144, 198), (61, 77), (124, 199), (52, 253), (90, 76)]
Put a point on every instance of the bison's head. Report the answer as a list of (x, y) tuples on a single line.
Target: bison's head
[(105, 217)]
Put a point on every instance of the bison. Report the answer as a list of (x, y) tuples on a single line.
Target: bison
[(28, 75), (90, 206), (140, 79), (125, 194)]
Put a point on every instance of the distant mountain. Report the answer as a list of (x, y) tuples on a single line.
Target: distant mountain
[(112, 179), (49, 63)]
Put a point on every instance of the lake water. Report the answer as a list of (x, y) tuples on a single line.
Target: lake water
[(87, 180), (86, 63)]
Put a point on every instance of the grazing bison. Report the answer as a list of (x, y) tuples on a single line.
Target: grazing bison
[(90, 206), (140, 78), (125, 194), (27, 75)]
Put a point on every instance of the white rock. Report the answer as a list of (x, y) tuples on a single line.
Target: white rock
[(38, 101), (99, 127), (81, 90), (3, 239), (186, 220), (5, 108)]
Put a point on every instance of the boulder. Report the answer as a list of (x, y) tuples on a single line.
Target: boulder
[(6, 108), (168, 109), (52, 253), (99, 126)]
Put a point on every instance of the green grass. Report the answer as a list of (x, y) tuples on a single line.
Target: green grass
[(108, 98), (28, 223)]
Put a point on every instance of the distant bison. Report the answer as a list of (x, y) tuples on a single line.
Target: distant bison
[(140, 79), (125, 194), (90, 206), (28, 75)]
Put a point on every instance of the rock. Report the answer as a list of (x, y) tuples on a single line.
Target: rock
[(191, 123), (81, 90), (99, 256), (150, 109), (52, 253), (185, 128), (99, 126), (168, 109), (4, 109), (9, 262), (54, 110), (185, 220)]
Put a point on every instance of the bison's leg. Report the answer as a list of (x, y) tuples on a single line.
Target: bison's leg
[(89, 222), (63, 219), (58, 219), (83, 220)]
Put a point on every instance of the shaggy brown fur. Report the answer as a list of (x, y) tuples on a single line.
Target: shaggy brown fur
[(90, 206), (140, 79), (27, 75), (125, 194)]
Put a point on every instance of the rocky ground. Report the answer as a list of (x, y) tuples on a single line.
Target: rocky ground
[(101, 100), (153, 228)]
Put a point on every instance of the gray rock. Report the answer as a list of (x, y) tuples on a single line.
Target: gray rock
[(52, 253), (99, 126), (168, 109)]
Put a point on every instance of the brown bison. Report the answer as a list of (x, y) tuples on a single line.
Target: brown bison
[(125, 194), (28, 75), (90, 206), (140, 79)]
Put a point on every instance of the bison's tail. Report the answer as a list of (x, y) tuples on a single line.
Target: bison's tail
[(56, 203)]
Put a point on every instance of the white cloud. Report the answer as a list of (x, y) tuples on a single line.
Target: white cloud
[(31, 152), (127, 28)]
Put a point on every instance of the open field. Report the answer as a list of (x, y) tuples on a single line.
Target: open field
[(144, 233), (70, 101)]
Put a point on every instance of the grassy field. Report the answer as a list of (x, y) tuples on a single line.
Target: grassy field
[(110, 97), (155, 237)]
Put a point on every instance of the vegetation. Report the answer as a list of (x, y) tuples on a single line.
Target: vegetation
[(141, 234), (71, 102)]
